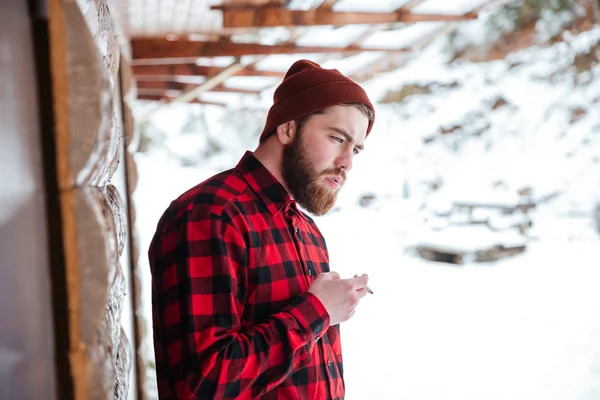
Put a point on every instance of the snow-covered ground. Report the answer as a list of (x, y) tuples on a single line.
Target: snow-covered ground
[(526, 327)]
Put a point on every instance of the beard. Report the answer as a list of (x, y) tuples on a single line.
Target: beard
[(304, 182)]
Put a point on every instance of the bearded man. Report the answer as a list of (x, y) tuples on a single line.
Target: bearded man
[(244, 303)]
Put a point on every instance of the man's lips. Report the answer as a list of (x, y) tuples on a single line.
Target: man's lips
[(334, 181)]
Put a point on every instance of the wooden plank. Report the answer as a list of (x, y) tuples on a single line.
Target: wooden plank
[(191, 94), (377, 28), (271, 17), (327, 4), (131, 137), (365, 35), (391, 61), (506, 208), (233, 5), (154, 97), (229, 89), (212, 82), (87, 144), (152, 49), (493, 4), (108, 32), (161, 86), (171, 71), (182, 86), (410, 5)]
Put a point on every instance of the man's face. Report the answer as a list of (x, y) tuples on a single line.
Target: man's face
[(316, 162)]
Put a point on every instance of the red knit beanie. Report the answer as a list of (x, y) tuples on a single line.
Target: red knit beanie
[(308, 88)]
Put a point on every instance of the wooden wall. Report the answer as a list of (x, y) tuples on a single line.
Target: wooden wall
[(91, 90)]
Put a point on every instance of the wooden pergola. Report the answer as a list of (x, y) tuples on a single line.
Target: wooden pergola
[(183, 41)]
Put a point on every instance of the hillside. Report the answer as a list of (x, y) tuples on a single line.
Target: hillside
[(467, 160)]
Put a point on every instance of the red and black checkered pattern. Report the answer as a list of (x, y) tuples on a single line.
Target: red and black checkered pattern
[(231, 261)]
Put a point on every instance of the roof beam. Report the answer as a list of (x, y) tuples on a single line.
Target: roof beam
[(171, 71), (233, 5), (152, 49), (193, 93), (327, 4), (272, 16), (182, 87), (378, 28), (211, 83), (411, 4), (156, 97), (390, 62)]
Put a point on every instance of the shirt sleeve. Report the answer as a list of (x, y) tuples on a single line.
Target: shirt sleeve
[(200, 288)]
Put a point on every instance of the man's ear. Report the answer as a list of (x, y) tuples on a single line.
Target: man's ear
[(286, 132)]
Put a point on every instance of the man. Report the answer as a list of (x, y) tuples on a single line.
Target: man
[(244, 305)]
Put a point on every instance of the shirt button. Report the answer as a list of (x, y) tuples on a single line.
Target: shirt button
[(317, 339), (329, 364), (297, 230), (309, 272)]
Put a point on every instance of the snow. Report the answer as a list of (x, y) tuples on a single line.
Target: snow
[(527, 330), (456, 7), (525, 327)]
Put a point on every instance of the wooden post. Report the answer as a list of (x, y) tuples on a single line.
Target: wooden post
[(596, 10)]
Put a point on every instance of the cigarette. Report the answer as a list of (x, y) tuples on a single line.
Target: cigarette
[(368, 288)]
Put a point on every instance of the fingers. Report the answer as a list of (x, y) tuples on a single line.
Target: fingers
[(368, 288), (329, 275), (359, 282), (362, 293)]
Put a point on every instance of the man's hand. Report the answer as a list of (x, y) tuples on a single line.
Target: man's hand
[(339, 296)]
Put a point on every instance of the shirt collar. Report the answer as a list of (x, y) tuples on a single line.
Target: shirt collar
[(267, 187)]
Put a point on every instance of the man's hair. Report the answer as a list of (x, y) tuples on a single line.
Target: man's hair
[(300, 122)]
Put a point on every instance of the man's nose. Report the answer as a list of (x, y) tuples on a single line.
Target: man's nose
[(345, 160)]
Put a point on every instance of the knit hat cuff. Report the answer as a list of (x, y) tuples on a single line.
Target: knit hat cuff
[(322, 96)]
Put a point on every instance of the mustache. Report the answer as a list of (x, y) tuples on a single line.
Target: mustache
[(335, 172)]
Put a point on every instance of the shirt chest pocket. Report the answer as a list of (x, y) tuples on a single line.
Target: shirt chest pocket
[(275, 275), (282, 264)]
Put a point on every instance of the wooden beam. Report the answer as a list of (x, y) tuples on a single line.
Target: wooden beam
[(365, 35), (170, 71), (492, 4), (182, 86), (391, 62), (212, 82), (152, 49), (240, 5), (327, 4), (229, 89), (192, 94), (378, 28), (271, 17), (410, 5), (161, 86), (154, 97)]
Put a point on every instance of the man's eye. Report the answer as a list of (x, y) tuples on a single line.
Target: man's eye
[(337, 139), (356, 151)]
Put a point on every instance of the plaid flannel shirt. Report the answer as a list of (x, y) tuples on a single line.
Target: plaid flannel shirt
[(231, 262)]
